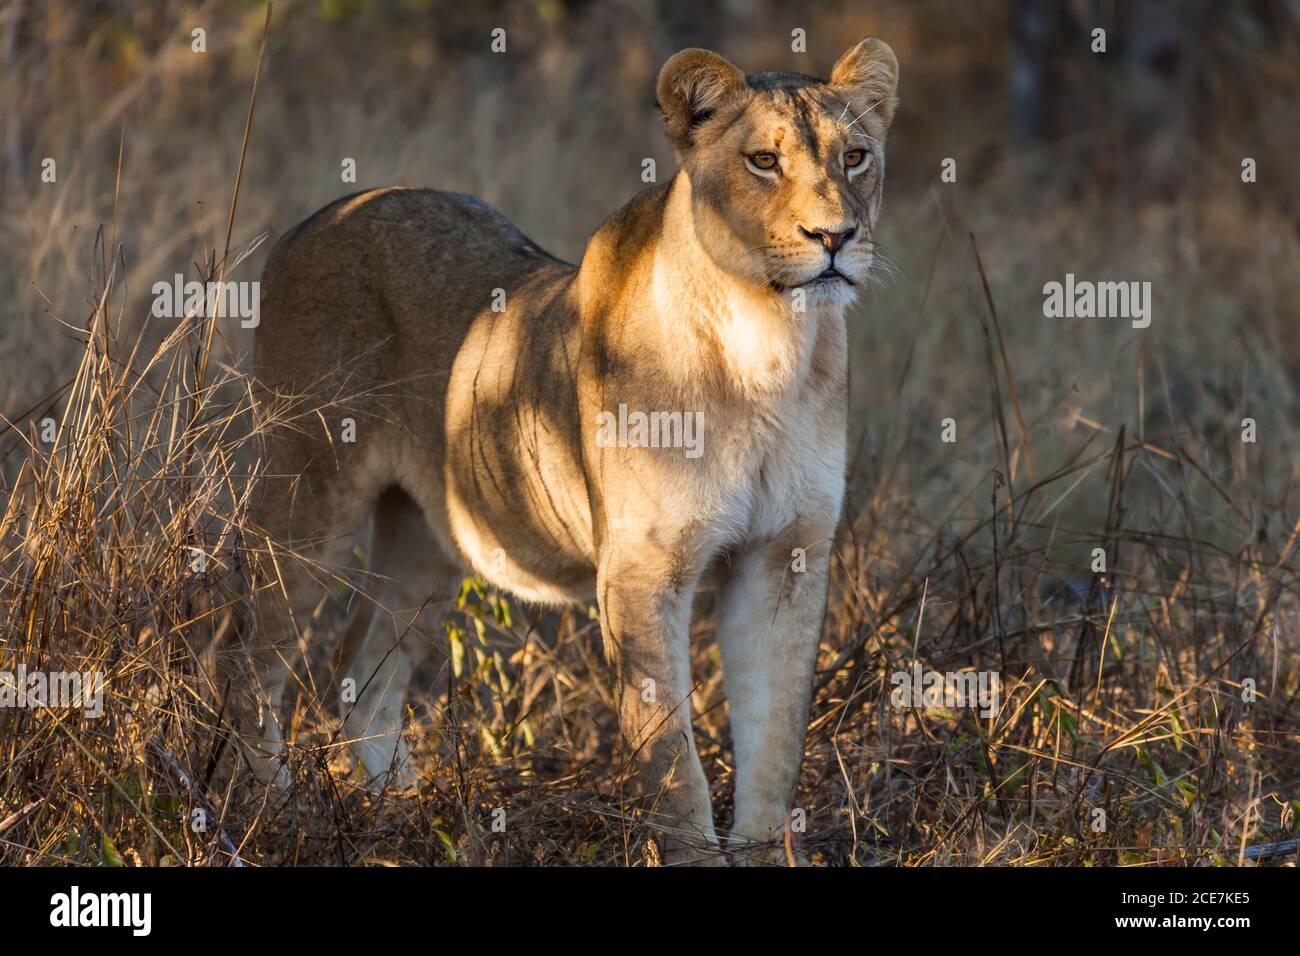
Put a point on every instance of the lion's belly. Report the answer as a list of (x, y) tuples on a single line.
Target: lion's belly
[(516, 496)]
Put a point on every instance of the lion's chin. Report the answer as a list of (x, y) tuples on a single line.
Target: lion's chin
[(820, 292)]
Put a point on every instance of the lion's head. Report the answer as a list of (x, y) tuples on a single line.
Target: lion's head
[(786, 171)]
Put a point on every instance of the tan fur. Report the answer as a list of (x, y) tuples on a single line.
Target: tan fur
[(477, 439)]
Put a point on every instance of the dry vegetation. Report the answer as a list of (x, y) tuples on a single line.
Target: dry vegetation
[(1120, 691)]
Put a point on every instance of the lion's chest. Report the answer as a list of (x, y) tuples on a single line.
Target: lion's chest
[(783, 452), (778, 467)]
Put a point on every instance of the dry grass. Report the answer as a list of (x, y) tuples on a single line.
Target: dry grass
[(1120, 691)]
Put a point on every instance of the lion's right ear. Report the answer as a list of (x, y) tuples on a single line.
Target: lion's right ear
[(691, 86)]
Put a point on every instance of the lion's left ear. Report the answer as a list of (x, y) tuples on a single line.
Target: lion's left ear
[(868, 75)]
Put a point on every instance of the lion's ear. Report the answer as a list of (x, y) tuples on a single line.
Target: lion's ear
[(691, 86), (868, 76)]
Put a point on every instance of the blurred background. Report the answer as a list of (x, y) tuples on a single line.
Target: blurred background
[(1123, 165)]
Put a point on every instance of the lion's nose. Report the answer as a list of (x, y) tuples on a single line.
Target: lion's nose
[(830, 239)]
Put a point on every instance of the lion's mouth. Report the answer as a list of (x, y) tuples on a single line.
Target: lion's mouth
[(831, 274)]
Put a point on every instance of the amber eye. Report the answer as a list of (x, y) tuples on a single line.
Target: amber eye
[(854, 158), (764, 160)]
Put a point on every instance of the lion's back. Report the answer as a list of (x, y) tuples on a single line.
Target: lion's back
[(380, 271)]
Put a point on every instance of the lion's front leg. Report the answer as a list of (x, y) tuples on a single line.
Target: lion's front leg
[(770, 617), (645, 617)]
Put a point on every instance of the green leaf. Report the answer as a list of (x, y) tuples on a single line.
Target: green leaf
[(447, 845), (111, 856), (456, 638)]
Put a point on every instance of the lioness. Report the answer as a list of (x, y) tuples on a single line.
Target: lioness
[(500, 401)]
